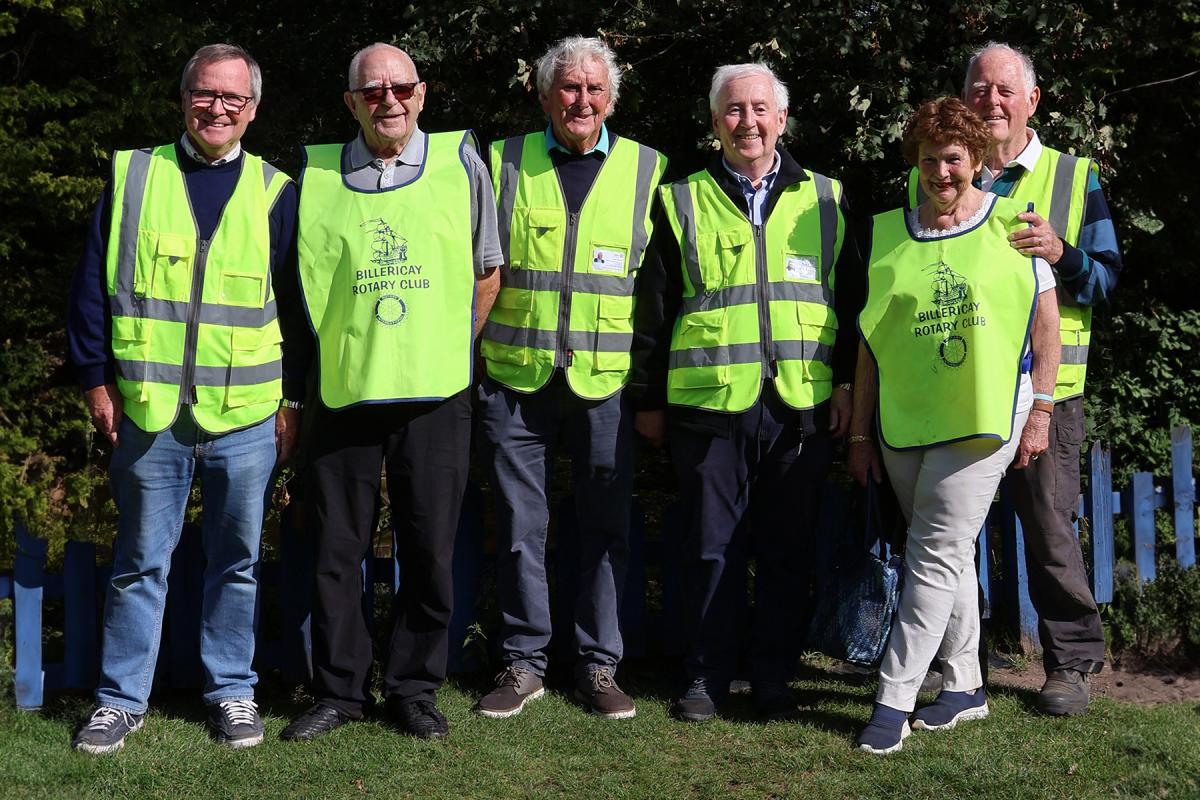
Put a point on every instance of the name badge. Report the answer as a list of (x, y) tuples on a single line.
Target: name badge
[(610, 262), (800, 268)]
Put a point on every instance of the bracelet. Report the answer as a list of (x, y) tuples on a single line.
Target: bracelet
[(293, 404), (858, 438), (845, 387), (1046, 397), (1044, 405)]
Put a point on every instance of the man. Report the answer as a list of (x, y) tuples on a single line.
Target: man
[(753, 350), (1077, 238), (575, 220), (174, 338), (397, 257)]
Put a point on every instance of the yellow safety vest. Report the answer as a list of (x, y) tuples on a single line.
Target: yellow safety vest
[(757, 299), (193, 320), (567, 285), (946, 321), (1058, 182), (388, 277)]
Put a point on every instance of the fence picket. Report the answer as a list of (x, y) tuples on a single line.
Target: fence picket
[(1100, 517), (1143, 525), (1184, 495), (79, 614), (29, 564)]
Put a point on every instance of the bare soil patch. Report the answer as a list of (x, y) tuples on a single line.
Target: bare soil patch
[(1131, 679)]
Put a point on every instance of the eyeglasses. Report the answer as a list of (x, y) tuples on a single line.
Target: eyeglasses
[(376, 94), (205, 98)]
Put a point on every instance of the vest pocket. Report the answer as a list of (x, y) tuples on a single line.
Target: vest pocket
[(513, 307), (699, 377), (253, 347), (544, 237), (131, 345), (166, 274), (703, 329), (499, 353), (723, 257), (613, 315), (243, 289)]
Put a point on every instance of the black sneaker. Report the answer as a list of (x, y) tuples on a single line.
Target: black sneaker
[(418, 717), (106, 729), (1065, 693), (235, 723), (317, 720), (775, 700), (696, 704), (515, 687)]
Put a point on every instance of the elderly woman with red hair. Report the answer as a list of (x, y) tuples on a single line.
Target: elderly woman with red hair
[(956, 365)]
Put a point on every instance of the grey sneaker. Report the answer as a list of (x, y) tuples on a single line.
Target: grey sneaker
[(235, 723), (600, 693), (1065, 693), (515, 687), (106, 729)]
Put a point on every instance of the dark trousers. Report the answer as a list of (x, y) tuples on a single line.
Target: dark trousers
[(1046, 495), (756, 492), (424, 448), (519, 434)]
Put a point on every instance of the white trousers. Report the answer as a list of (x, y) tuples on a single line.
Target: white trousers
[(945, 493)]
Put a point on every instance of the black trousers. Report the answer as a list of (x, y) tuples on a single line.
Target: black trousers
[(1046, 495), (756, 491), (424, 448)]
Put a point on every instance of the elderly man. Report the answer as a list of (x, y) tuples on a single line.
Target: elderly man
[(753, 350), (397, 265), (174, 338), (1077, 238), (574, 213)]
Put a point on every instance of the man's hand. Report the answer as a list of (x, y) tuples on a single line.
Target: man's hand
[(862, 460), (287, 433), (839, 412), (1035, 438), (1039, 240), (652, 425), (107, 409)]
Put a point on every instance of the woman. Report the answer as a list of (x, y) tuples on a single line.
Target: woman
[(944, 378)]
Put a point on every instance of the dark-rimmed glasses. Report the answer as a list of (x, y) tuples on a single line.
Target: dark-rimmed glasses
[(206, 98), (376, 94)]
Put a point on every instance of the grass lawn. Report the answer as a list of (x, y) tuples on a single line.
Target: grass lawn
[(555, 750)]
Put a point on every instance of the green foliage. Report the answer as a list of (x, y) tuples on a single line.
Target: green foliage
[(1159, 618)]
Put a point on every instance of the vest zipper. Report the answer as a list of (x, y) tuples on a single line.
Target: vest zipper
[(562, 355), (764, 303), (192, 333)]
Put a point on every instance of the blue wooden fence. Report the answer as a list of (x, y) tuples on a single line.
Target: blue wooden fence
[(284, 643)]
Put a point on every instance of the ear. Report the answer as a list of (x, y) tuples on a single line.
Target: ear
[(348, 99), (1034, 97), (419, 93), (783, 116)]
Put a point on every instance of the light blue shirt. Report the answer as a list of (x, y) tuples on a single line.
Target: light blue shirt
[(601, 147), (756, 199)]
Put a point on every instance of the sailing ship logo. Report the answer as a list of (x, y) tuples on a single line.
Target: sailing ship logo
[(387, 247), (949, 288)]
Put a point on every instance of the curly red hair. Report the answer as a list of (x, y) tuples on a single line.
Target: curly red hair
[(946, 120)]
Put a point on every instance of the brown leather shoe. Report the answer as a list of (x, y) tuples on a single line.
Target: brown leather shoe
[(515, 687), (600, 693)]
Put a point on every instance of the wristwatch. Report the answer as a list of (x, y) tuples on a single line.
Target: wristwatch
[(297, 405)]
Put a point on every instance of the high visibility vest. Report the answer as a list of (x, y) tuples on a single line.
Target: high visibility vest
[(757, 299), (388, 277), (946, 321), (193, 320), (567, 285), (1058, 183)]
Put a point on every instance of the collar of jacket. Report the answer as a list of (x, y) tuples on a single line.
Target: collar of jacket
[(790, 173)]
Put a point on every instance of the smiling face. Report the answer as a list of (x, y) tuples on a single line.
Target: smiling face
[(946, 172), (579, 100), (749, 123), (388, 123), (996, 92), (215, 130)]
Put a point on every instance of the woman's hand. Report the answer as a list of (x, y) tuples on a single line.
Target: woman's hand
[(862, 459), (1034, 439)]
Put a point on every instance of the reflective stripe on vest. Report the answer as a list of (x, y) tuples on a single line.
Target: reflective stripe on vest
[(946, 321), (388, 277), (192, 320), (757, 299), (567, 284), (1058, 182)]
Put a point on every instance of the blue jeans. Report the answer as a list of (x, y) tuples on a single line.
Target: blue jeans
[(151, 476), (519, 435)]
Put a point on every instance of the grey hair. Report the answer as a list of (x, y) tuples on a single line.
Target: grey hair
[(731, 72), (1026, 65), (211, 54), (357, 59), (575, 51)]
